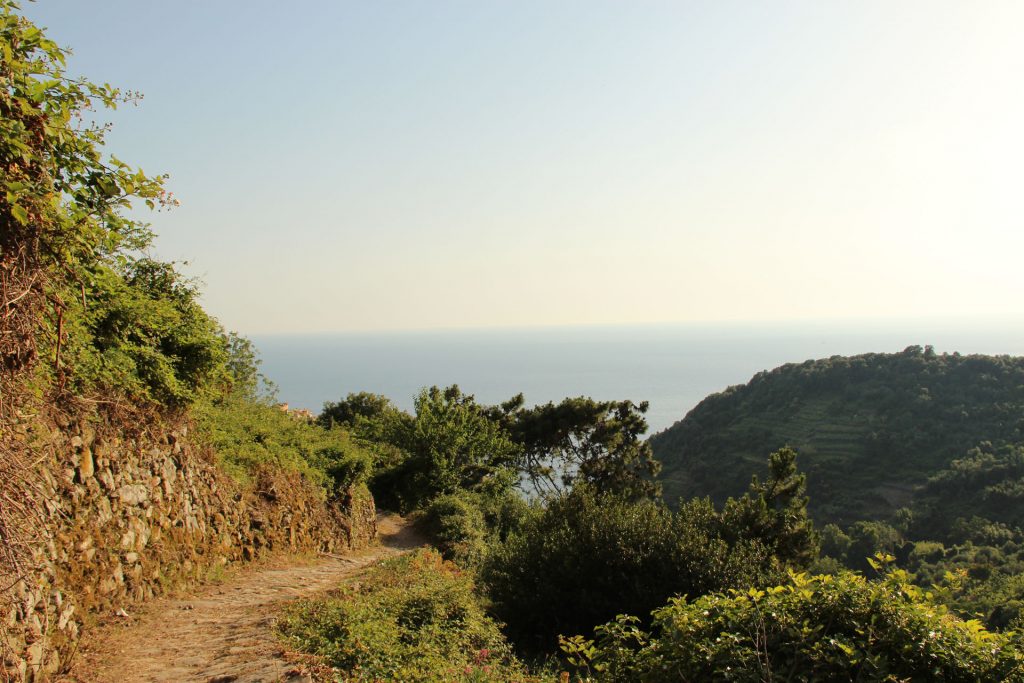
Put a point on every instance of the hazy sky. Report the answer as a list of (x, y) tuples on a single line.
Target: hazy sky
[(390, 165)]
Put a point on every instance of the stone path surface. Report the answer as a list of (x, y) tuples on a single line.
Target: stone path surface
[(224, 633)]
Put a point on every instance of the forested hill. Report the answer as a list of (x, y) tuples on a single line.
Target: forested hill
[(871, 430)]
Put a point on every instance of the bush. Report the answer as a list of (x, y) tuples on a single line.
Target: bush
[(413, 618), (354, 407), (588, 557), (449, 445), (457, 526), (822, 628), (505, 513), (144, 335), (247, 434)]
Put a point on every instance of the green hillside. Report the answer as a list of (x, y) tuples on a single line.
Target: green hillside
[(871, 430)]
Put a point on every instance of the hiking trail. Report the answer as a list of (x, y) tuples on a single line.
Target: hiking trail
[(223, 633)]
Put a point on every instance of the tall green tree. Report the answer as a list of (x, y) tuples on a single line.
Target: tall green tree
[(580, 440), (774, 512), (450, 444), (349, 410), (62, 201)]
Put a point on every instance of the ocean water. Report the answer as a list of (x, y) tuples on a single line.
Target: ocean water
[(671, 366)]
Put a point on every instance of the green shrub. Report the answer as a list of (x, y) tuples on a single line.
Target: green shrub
[(589, 557), (928, 551), (867, 538), (457, 526), (810, 629), (505, 513), (413, 618), (451, 444), (248, 433), (145, 335), (344, 463), (354, 407)]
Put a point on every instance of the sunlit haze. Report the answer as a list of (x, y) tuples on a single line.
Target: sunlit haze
[(407, 165)]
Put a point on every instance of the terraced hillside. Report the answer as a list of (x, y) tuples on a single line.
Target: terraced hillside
[(870, 429)]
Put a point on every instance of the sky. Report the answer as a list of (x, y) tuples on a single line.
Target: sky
[(397, 165)]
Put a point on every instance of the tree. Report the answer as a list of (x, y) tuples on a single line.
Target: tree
[(588, 556), (583, 440), (62, 205), (354, 406), (243, 369), (775, 512), (450, 444)]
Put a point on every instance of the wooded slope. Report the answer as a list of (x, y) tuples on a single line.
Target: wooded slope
[(871, 430)]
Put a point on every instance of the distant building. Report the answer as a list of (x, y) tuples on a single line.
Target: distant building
[(297, 413)]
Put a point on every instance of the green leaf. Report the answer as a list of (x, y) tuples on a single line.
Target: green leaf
[(20, 214)]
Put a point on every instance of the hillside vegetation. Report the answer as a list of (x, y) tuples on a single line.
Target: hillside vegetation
[(871, 430)]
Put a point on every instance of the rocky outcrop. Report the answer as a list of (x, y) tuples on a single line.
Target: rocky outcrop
[(128, 516)]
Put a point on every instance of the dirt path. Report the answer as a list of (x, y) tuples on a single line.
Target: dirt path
[(224, 632)]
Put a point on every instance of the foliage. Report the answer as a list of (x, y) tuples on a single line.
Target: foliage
[(868, 538), (981, 576), (243, 370), (75, 284), (819, 628), (453, 443), (145, 335), (589, 556), (871, 429), (582, 440), (976, 581), (347, 412), (413, 618), (465, 525), (979, 497), (457, 527), (505, 513), (449, 445), (247, 434), (775, 512)]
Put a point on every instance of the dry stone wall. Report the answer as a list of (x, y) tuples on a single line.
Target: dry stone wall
[(128, 516)]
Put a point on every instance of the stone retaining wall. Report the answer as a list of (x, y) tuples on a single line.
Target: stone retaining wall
[(128, 517)]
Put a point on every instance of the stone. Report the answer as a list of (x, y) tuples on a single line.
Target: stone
[(106, 477), (65, 617), (104, 513), (169, 470), (133, 494), (34, 655), (142, 533), (86, 465)]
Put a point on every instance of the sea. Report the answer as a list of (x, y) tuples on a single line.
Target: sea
[(673, 367)]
